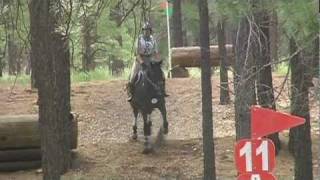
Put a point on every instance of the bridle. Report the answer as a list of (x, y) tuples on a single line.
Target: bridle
[(154, 85)]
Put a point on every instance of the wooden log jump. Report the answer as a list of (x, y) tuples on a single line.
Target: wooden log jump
[(20, 142), (19, 165), (22, 132), (15, 155), (190, 56)]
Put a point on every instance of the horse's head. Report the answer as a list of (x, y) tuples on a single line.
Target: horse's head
[(150, 76), (156, 72)]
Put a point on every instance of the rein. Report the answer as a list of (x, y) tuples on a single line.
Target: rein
[(151, 82)]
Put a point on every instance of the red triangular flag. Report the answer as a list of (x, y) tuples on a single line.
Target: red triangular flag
[(267, 121)]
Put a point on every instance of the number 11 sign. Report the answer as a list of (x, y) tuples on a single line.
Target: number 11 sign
[(261, 176), (255, 156)]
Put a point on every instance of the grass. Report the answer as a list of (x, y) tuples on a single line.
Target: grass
[(282, 69), (103, 74), (10, 80), (99, 74)]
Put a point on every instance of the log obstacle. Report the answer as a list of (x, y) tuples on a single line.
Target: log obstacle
[(19, 165), (190, 56), (15, 155), (20, 141)]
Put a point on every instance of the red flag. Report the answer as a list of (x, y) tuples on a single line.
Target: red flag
[(267, 121)]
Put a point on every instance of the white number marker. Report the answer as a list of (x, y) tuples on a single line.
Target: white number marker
[(247, 151), (263, 149)]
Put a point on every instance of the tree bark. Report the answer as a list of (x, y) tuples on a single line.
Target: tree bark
[(274, 36), (178, 36), (262, 55), (88, 33), (12, 54), (316, 58), (116, 64), (224, 87), (207, 123), (244, 81), (300, 137), (33, 66), (51, 53), (177, 24)]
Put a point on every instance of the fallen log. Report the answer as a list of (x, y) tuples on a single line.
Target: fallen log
[(190, 56), (20, 155), (22, 131), (20, 165)]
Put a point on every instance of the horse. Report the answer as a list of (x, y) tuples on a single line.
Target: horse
[(146, 97)]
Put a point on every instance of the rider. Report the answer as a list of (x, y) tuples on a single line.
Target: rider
[(147, 52)]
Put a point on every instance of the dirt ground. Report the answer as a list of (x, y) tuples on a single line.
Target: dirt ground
[(105, 150)]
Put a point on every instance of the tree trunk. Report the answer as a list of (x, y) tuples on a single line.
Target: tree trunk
[(116, 64), (244, 81), (87, 38), (51, 53), (224, 87), (316, 73), (178, 36), (316, 58), (12, 54), (261, 52), (1, 66), (300, 137), (207, 123), (28, 66), (13, 46), (177, 24), (274, 36), (33, 66)]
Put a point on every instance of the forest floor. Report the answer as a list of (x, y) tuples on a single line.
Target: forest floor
[(105, 150)]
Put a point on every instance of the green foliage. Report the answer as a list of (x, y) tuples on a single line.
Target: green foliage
[(108, 32), (299, 19), (98, 74), (282, 69), (233, 10), (191, 20), (10, 80), (195, 72)]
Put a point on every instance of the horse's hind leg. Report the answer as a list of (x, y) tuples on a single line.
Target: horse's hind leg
[(134, 126), (147, 133), (163, 111)]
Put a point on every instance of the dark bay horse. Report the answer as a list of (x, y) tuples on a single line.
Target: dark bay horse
[(148, 96)]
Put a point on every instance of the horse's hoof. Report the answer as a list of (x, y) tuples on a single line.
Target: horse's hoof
[(134, 137), (147, 150)]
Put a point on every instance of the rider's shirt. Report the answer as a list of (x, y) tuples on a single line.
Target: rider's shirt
[(147, 46)]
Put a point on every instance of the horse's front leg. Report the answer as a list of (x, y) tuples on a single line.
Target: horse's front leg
[(134, 126), (147, 133), (163, 111)]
